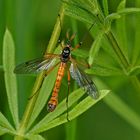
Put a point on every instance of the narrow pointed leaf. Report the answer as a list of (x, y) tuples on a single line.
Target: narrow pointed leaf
[(104, 71), (128, 11), (121, 26), (73, 98), (105, 6), (134, 71), (5, 126), (45, 91), (119, 13), (82, 10), (76, 111), (95, 48), (35, 137), (10, 77), (43, 95), (80, 53), (136, 48), (112, 16)]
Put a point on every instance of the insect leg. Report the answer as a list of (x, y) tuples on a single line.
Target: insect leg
[(59, 41), (86, 64), (45, 74), (77, 46), (68, 73), (50, 70), (81, 42)]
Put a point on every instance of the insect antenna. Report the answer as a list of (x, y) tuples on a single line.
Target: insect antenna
[(60, 37)]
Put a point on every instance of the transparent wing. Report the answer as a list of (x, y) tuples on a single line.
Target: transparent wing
[(83, 81), (36, 65)]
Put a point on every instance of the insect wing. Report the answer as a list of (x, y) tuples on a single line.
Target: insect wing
[(35, 65), (84, 81)]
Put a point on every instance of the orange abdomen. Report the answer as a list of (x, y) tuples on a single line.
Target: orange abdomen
[(54, 98)]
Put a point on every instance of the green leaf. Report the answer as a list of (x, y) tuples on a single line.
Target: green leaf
[(85, 104), (136, 48), (35, 137), (95, 48), (73, 98), (5, 126), (86, 5), (44, 94), (134, 71), (105, 6), (121, 5), (121, 26), (3, 131), (112, 16), (80, 53), (79, 14), (104, 71), (10, 78), (122, 109), (128, 11), (76, 111), (119, 13), (85, 11)]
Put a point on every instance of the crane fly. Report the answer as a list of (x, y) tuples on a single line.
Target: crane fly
[(47, 63)]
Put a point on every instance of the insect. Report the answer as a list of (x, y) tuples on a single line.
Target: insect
[(47, 63)]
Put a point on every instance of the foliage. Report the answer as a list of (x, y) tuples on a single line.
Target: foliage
[(111, 55)]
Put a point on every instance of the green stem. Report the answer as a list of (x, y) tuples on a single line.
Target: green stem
[(136, 85), (1, 68), (72, 126), (30, 106), (56, 32), (122, 59)]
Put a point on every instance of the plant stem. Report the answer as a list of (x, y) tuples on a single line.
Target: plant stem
[(30, 106), (136, 84), (56, 32), (72, 126), (122, 59)]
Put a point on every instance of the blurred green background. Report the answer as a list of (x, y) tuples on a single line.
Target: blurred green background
[(31, 23)]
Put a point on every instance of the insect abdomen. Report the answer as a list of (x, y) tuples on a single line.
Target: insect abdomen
[(54, 98)]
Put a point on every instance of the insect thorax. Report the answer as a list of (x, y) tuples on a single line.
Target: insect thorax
[(65, 54)]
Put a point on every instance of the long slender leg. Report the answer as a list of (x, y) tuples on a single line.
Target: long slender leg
[(37, 89), (84, 37), (72, 37), (80, 63), (68, 73), (46, 73), (77, 46), (59, 41), (80, 43)]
